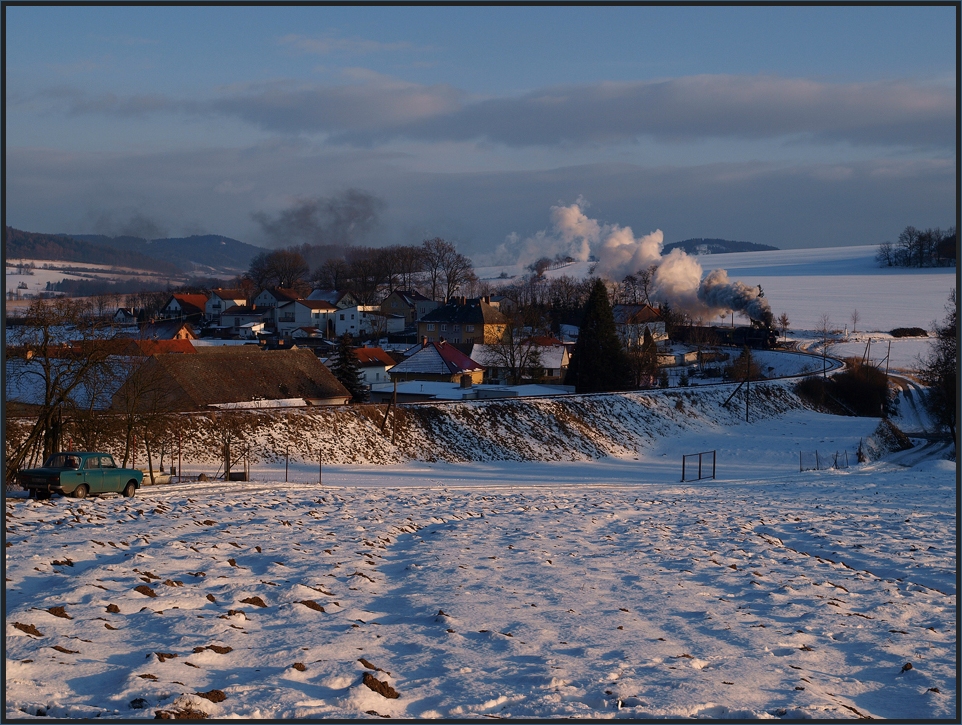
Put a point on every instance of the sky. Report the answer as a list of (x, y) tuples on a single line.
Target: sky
[(791, 126)]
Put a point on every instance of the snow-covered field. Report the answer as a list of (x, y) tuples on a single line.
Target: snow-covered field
[(600, 589), (807, 283)]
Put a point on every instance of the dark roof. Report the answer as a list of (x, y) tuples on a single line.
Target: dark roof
[(282, 294), (466, 311), (229, 294), (317, 304), (195, 382), (635, 314), (163, 330), (411, 296)]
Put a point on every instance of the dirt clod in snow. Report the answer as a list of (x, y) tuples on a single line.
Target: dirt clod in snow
[(59, 612), (28, 628), (145, 590), (256, 601), (185, 714), (311, 604), (381, 688), (113, 609), (906, 667), (299, 666), (213, 695)]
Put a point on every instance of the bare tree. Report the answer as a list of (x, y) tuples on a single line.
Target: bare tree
[(280, 268), (518, 351), (824, 328), (42, 359), (783, 323), (855, 318)]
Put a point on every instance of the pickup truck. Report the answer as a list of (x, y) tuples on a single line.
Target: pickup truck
[(79, 474)]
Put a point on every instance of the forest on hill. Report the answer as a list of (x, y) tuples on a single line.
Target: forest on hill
[(717, 246)]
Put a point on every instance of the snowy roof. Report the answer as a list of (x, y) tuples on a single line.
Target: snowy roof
[(437, 358)]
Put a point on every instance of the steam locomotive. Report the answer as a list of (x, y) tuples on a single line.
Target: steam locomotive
[(757, 335)]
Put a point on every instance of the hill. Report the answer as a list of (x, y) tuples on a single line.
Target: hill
[(717, 246), (61, 247), (212, 251)]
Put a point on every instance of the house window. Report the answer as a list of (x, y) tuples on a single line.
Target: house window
[(342, 317), (444, 328), (430, 327), (457, 328), (469, 328)]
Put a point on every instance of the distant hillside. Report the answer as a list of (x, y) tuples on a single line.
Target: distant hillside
[(33, 245), (717, 246), (208, 250)]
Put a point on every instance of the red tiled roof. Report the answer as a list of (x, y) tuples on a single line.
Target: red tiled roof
[(371, 356), (190, 303)]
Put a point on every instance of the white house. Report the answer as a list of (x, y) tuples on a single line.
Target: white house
[(335, 297), (222, 299), (304, 313), (373, 365), (363, 320)]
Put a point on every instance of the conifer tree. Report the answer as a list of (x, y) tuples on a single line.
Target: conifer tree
[(940, 370), (599, 362), (346, 368)]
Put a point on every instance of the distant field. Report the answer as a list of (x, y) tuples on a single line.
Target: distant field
[(805, 283)]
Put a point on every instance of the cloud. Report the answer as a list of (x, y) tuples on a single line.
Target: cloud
[(705, 107), (371, 109), (326, 45), (343, 219)]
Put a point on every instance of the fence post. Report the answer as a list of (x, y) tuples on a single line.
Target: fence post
[(683, 467), (799, 461), (699, 466), (713, 465)]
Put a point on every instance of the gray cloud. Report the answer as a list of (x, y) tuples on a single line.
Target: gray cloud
[(788, 206), (700, 107), (377, 109), (129, 223), (328, 44)]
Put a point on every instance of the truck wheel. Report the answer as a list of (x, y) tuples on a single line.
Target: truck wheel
[(81, 491), (130, 488)]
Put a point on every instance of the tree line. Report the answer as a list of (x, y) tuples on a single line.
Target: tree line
[(919, 248)]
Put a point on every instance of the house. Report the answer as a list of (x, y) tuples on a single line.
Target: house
[(552, 356), (223, 299), (416, 391), (438, 361), (272, 301), (239, 316), (374, 364), (240, 377), (165, 330), (366, 320), (182, 306), (409, 303), (125, 315), (335, 297), (464, 320), (631, 321), (305, 313)]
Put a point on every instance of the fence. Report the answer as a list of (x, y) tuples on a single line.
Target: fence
[(815, 461), (687, 468)]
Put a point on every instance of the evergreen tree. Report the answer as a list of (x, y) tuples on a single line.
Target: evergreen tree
[(599, 362), (940, 370), (346, 368)]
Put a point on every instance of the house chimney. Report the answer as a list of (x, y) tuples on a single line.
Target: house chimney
[(486, 299), (466, 380), (424, 341)]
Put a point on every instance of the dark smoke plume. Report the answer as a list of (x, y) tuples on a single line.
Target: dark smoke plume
[(137, 224), (340, 220), (717, 292)]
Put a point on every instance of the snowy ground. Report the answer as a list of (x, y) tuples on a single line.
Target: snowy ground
[(600, 589)]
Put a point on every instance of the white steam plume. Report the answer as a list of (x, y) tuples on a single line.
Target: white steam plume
[(678, 279)]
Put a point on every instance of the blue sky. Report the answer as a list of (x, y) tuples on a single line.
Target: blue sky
[(791, 126)]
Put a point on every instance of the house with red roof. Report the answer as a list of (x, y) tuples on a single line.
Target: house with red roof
[(184, 306), (438, 361), (374, 364)]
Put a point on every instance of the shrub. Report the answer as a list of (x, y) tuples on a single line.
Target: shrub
[(909, 332), (858, 390)]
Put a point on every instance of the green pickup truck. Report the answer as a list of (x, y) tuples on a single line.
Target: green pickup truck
[(80, 474)]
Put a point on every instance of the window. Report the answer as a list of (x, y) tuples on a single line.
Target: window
[(469, 328), (342, 317), (430, 327), (444, 328), (457, 328)]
